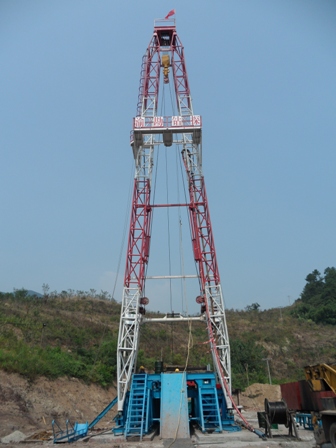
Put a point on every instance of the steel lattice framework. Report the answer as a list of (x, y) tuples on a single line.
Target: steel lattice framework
[(149, 129)]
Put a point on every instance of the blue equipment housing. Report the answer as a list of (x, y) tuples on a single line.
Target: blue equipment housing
[(174, 401), (171, 401)]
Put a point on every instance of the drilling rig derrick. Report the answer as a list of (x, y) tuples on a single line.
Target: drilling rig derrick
[(165, 57)]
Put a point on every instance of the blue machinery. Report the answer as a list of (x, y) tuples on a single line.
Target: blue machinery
[(78, 430), (172, 402)]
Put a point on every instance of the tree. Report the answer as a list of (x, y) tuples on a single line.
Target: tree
[(254, 307), (45, 289), (247, 354), (318, 298), (329, 288), (313, 287), (20, 294)]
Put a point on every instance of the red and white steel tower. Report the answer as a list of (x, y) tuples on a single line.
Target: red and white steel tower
[(165, 55)]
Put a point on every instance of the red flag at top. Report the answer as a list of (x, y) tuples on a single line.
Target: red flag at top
[(171, 13)]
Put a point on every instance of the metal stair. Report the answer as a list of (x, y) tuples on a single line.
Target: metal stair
[(137, 407), (209, 410)]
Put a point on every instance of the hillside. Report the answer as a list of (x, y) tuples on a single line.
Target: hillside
[(76, 336), (58, 354)]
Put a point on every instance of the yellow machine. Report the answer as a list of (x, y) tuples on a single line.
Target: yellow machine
[(321, 377), (165, 64)]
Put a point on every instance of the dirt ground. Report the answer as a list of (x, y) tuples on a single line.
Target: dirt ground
[(253, 398), (27, 410), (31, 407)]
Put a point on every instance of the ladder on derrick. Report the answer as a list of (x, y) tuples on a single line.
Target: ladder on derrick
[(210, 419), (137, 407)]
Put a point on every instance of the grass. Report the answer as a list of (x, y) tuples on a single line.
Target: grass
[(77, 337)]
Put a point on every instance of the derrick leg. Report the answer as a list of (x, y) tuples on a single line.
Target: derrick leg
[(137, 258), (205, 257)]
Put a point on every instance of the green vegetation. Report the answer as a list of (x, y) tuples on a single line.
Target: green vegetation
[(246, 358), (318, 298), (75, 334), (56, 336)]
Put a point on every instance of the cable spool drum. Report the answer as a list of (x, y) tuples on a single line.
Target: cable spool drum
[(277, 412)]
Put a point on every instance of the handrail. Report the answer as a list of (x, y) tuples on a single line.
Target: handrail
[(103, 413)]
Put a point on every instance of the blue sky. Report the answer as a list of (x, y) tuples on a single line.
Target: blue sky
[(262, 75)]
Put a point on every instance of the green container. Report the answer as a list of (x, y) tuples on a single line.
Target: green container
[(158, 367)]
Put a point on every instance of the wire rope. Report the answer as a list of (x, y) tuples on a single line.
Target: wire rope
[(187, 199), (127, 215), (169, 237), (170, 281), (153, 201), (122, 245), (169, 259), (182, 268), (154, 186), (183, 385)]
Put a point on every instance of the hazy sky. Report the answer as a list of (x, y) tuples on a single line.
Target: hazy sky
[(262, 75)]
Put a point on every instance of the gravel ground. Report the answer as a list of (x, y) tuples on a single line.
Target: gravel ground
[(239, 439)]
